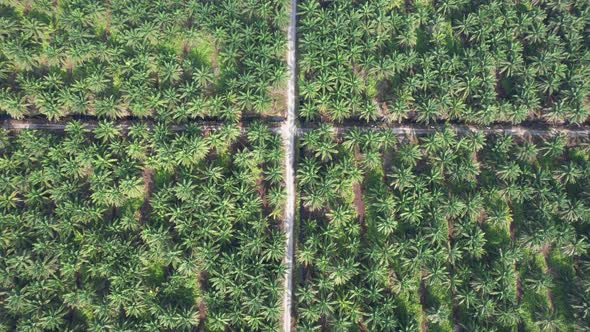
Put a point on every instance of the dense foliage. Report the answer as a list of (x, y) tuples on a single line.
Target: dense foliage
[(167, 59), (140, 230), (476, 61), (445, 231), (160, 227)]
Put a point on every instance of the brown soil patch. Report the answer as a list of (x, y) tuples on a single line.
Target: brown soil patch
[(391, 278), (261, 189), (518, 281), (202, 315), (359, 204), (186, 47), (362, 327), (512, 229), (450, 231), (202, 280), (422, 297), (202, 310), (148, 185), (481, 218), (500, 92)]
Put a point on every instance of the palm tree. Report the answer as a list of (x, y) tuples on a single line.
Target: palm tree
[(13, 105), (409, 154), (106, 131)]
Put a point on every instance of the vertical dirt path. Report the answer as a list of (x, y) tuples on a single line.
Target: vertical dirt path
[(289, 131)]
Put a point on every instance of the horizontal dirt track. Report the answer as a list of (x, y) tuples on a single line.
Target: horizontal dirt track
[(419, 130)]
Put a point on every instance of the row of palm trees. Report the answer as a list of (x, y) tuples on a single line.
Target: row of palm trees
[(479, 62), (172, 60), (455, 232), (141, 229)]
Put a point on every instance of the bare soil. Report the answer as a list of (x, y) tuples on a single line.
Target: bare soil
[(518, 281), (512, 230), (260, 188), (359, 204), (422, 296), (202, 280), (387, 163), (362, 327), (148, 184)]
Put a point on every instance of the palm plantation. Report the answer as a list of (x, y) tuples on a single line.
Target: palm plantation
[(472, 61), (158, 197), (170, 60), (140, 230), (458, 232)]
